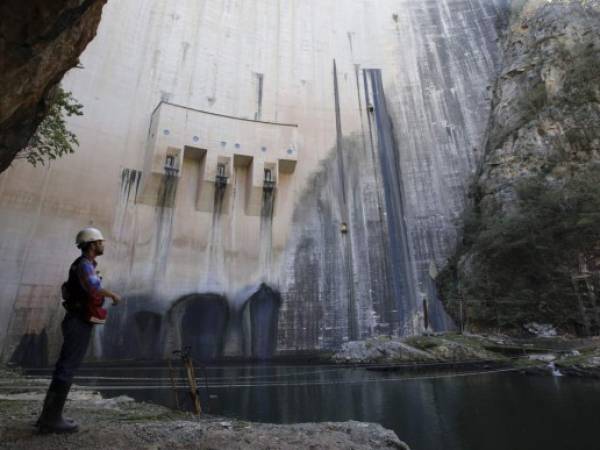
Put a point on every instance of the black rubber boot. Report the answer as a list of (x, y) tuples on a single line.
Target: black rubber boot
[(66, 419), (51, 419)]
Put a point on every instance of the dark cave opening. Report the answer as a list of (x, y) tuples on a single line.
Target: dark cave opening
[(261, 317), (202, 324)]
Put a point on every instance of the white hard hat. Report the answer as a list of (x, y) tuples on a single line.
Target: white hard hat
[(88, 235)]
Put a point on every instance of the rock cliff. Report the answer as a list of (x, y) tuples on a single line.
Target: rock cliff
[(39, 42), (530, 244)]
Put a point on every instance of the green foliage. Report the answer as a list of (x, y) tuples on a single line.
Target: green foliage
[(52, 139), (535, 99), (547, 218), (582, 82), (423, 342), (523, 259)]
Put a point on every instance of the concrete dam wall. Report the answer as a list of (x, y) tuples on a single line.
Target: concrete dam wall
[(271, 176)]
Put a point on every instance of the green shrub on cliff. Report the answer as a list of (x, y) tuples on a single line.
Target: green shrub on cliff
[(52, 139), (583, 80), (522, 260)]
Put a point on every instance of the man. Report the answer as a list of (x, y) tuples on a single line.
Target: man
[(83, 295)]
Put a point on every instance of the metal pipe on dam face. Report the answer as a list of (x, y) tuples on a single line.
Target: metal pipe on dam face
[(189, 105)]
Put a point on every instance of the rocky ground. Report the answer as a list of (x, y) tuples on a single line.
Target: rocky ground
[(121, 423), (571, 356)]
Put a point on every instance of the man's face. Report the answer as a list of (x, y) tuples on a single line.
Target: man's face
[(99, 247)]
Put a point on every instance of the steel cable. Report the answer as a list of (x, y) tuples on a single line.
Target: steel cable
[(293, 384), (295, 374)]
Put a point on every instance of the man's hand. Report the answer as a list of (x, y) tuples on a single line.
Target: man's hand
[(116, 298)]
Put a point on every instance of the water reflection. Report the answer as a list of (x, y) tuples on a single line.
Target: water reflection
[(483, 412)]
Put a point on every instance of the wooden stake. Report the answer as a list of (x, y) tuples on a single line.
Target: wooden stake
[(192, 382)]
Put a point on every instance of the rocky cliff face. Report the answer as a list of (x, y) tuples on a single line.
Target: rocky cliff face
[(530, 242), (39, 42)]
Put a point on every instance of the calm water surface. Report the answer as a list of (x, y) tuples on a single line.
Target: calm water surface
[(504, 411)]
